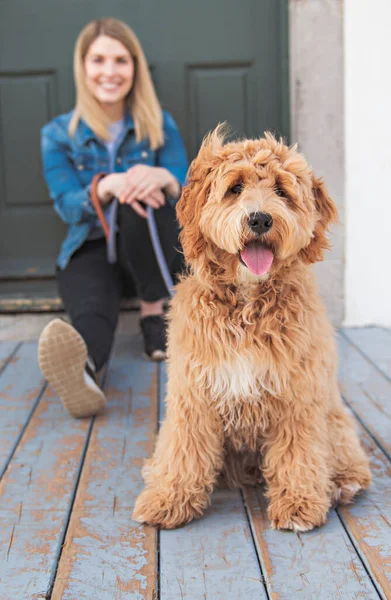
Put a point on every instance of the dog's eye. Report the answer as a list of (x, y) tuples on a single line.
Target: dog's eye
[(236, 189), (279, 191)]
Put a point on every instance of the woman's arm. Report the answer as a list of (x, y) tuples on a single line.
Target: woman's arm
[(168, 175), (71, 200), (172, 157)]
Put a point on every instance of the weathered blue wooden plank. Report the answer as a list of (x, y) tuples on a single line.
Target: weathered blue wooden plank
[(333, 570), (35, 494), (375, 343), (368, 519), (27, 547), (20, 385), (321, 563), (366, 391), (213, 557), (106, 554), (162, 391), (7, 349)]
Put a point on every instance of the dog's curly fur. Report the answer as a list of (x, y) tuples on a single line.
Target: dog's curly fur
[(252, 386)]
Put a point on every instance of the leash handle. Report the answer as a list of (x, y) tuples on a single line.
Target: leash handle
[(97, 205)]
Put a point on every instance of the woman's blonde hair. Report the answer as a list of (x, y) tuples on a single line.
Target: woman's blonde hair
[(142, 101)]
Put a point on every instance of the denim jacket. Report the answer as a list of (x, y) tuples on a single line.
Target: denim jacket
[(70, 163)]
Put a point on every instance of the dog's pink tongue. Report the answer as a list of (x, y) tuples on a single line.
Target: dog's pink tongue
[(258, 258)]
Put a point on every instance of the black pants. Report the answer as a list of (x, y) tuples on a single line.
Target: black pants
[(91, 288)]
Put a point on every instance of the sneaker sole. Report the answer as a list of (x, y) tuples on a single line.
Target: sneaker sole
[(62, 355)]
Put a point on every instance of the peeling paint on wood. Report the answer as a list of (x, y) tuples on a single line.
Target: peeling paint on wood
[(213, 558), (12, 305), (34, 497), (375, 343), (106, 554), (20, 385), (321, 564), (48, 304), (6, 350), (367, 392), (368, 519)]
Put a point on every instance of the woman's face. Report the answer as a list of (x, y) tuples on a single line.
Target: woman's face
[(109, 70)]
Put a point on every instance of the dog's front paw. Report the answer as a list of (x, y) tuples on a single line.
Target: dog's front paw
[(298, 514), (167, 509)]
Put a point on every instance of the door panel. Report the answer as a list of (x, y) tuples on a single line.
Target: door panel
[(210, 63)]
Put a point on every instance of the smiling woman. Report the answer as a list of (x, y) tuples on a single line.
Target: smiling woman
[(119, 140), (109, 73)]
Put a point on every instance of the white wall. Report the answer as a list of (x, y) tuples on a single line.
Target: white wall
[(316, 93), (367, 29)]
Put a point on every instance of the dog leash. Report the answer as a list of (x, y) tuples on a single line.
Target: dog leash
[(161, 260), (152, 228), (97, 205)]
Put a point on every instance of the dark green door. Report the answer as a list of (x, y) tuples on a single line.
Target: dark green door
[(211, 61)]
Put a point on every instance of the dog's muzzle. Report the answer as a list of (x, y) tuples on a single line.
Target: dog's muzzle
[(260, 222)]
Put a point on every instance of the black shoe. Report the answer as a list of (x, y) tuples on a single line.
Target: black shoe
[(153, 329)]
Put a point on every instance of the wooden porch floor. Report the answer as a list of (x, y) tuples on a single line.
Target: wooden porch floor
[(68, 487)]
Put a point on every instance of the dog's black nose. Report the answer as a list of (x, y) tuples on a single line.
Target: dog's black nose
[(260, 222)]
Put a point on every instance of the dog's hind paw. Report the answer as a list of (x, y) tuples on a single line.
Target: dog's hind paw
[(346, 489)]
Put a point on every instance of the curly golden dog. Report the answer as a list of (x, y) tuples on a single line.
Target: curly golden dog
[(252, 384)]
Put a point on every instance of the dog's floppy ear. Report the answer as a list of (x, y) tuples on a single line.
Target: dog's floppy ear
[(327, 213), (195, 193)]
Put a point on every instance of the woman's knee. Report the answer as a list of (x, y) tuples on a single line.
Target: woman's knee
[(127, 217)]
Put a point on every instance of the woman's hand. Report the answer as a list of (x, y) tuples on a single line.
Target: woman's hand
[(144, 180), (117, 185), (111, 186), (144, 184), (155, 199), (140, 183)]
